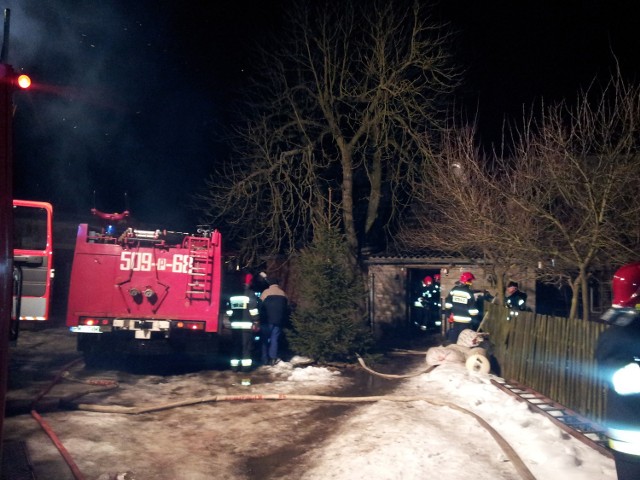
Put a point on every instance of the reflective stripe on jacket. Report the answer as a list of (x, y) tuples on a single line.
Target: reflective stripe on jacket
[(625, 441), (461, 303), (244, 310)]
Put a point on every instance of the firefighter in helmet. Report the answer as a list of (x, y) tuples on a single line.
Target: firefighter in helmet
[(436, 286), (243, 310), (460, 304), (618, 357), (429, 304), (515, 300)]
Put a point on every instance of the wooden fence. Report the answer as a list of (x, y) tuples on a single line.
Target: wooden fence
[(552, 355)]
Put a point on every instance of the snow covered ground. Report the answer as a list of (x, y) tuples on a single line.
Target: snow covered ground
[(297, 439), (417, 440)]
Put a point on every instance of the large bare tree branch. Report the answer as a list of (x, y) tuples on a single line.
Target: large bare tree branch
[(342, 102)]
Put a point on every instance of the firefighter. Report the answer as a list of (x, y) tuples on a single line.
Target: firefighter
[(429, 304), (515, 300), (618, 357), (436, 285), (244, 325), (460, 304)]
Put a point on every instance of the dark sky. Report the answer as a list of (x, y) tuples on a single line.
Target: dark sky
[(129, 95), (516, 52)]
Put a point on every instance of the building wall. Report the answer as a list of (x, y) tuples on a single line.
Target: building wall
[(392, 284), (390, 291)]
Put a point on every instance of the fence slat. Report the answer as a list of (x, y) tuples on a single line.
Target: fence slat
[(552, 355)]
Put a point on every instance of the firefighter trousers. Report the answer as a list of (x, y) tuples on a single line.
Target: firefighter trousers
[(241, 348)]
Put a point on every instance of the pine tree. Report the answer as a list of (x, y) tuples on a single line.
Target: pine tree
[(327, 323)]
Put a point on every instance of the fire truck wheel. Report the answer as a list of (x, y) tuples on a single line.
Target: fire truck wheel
[(478, 363)]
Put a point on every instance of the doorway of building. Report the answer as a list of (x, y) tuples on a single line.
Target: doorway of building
[(424, 300)]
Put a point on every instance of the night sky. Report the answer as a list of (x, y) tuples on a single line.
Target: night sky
[(129, 96)]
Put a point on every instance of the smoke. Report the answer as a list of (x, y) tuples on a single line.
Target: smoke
[(110, 110)]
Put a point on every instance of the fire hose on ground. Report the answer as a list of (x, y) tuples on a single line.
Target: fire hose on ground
[(77, 474), (517, 462)]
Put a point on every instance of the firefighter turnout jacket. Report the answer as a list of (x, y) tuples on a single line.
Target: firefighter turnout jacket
[(244, 322), (461, 303), (516, 302), (618, 356), (429, 297)]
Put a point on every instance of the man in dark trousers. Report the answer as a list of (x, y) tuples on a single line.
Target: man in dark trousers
[(428, 303), (460, 304), (274, 313), (618, 357), (244, 322)]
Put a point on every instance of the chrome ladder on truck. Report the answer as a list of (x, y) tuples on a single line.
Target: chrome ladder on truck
[(200, 272)]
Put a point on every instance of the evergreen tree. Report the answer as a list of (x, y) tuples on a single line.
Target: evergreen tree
[(328, 324)]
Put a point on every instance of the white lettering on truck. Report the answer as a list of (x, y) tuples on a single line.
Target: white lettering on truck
[(143, 262)]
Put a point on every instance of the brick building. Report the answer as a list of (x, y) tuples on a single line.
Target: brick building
[(395, 282)]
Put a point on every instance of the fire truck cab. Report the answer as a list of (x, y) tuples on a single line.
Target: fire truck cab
[(145, 291)]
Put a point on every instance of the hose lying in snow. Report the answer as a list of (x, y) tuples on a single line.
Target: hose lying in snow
[(77, 474), (389, 375), (506, 448), (522, 469), (101, 386), (519, 465), (401, 351), (57, 378)]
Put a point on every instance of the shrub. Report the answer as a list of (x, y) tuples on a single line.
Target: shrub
[(328, 323)]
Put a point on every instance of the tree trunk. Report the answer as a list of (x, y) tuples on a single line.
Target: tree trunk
[(575, 295), (347, 205), (585, 295), (375, 193)]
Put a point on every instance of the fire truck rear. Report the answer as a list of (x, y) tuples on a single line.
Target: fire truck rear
[(145, 292)]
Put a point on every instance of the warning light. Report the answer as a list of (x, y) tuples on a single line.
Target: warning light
[(24, 81)]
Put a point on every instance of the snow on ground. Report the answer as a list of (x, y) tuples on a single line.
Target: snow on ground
[(391, 440), (294, 439)]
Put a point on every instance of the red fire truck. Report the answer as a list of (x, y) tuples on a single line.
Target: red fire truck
[(144, 291)]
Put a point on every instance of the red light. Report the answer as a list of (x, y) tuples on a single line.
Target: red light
[(189, 325), (24, 81), (94, 321)]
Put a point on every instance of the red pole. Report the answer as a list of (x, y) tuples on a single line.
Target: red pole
[(6, 229)]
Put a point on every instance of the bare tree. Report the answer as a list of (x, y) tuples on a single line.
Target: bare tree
[(333, 125), (464, 208), (578, 168), (564, 198)]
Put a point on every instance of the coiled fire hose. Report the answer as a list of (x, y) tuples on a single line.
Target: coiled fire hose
[(519, 465)]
